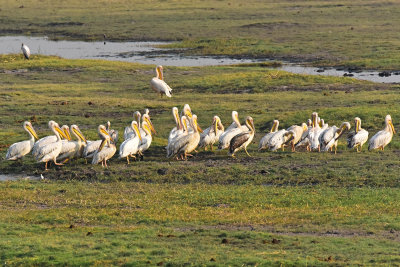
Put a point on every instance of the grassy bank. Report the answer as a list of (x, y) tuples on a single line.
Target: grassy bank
[(275, 208), (357, 33)]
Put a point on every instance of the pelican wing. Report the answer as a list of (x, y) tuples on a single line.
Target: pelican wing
[(238, 140), (91, 148), (18, 150), (160, 86), (381, 138), (359, 139), (48, 150)]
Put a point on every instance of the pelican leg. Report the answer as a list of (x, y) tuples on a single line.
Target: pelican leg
[(293, 148), (245, 149), (335, 150), (127, 159), (189, 155), (102, 164), (283, 148), (58, 164), (45, 166), (65, 161), (105, 163), (360, 148), (205, 148), (233, 155)]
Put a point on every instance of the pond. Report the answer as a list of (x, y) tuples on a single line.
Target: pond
[(149, 53)]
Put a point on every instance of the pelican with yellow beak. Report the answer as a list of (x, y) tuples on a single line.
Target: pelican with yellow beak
[(243, 139), (172, 141), (178, 129), (234, 129), (49, 152), (211, 135), (106, 149), (146, 139), (47, 139), (357, 138), (266, 138), (130, 147), (73, 149), (187, 111), (329, 137), (158, 84), (298, 133), (383, 138), (20, 149)]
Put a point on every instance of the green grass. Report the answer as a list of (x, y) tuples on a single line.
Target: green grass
[(323, 209), (357, 33)]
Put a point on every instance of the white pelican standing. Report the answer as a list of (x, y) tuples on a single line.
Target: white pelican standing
[(178, 129), (146, 139), (382, 138), (130, 147), (179, 134), (27, 52), (73, 149), (358, 137), (92, 146), (47, 139), (20, 149), (315, 131), (279, 139), (304, 141), (234, 129), (243, 139), (187, 143), (329, 138), (298, 134), (158, 84), (265, 140), (211, 135), (106, 149), (52, 150)]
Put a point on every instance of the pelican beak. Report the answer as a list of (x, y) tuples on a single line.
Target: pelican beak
[(216, 126), (199, 128), (32, 131), (305, 128), (151, 126), (104, 132), (273, 128), (137, 132), (66, 132), (58, 129), (78, 133), (391, 125), (357, 126), (189, 114)]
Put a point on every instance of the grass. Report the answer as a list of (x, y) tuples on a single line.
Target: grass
[(336, 33), (275, 208)]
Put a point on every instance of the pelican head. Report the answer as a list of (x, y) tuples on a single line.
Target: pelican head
[(187, 111), (275, 125), (344, 126), (304, 126), (135, 127), (321, 122), (137, 116), (309, 122), (314, 118), (147, 111), (108, 125), (102, 131), (57, 130), (389, 123), (159, 71), (194, 123), (216, 122), (235, 118), (250, 123), (28, 127), (146, 118), (357, 123), (75, 129), (175, 113)]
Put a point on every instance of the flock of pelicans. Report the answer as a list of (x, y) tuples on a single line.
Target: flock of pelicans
[(187, 136), (183, 139)]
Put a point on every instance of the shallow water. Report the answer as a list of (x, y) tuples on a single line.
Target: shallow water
[(148, 53), (16, 177)]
